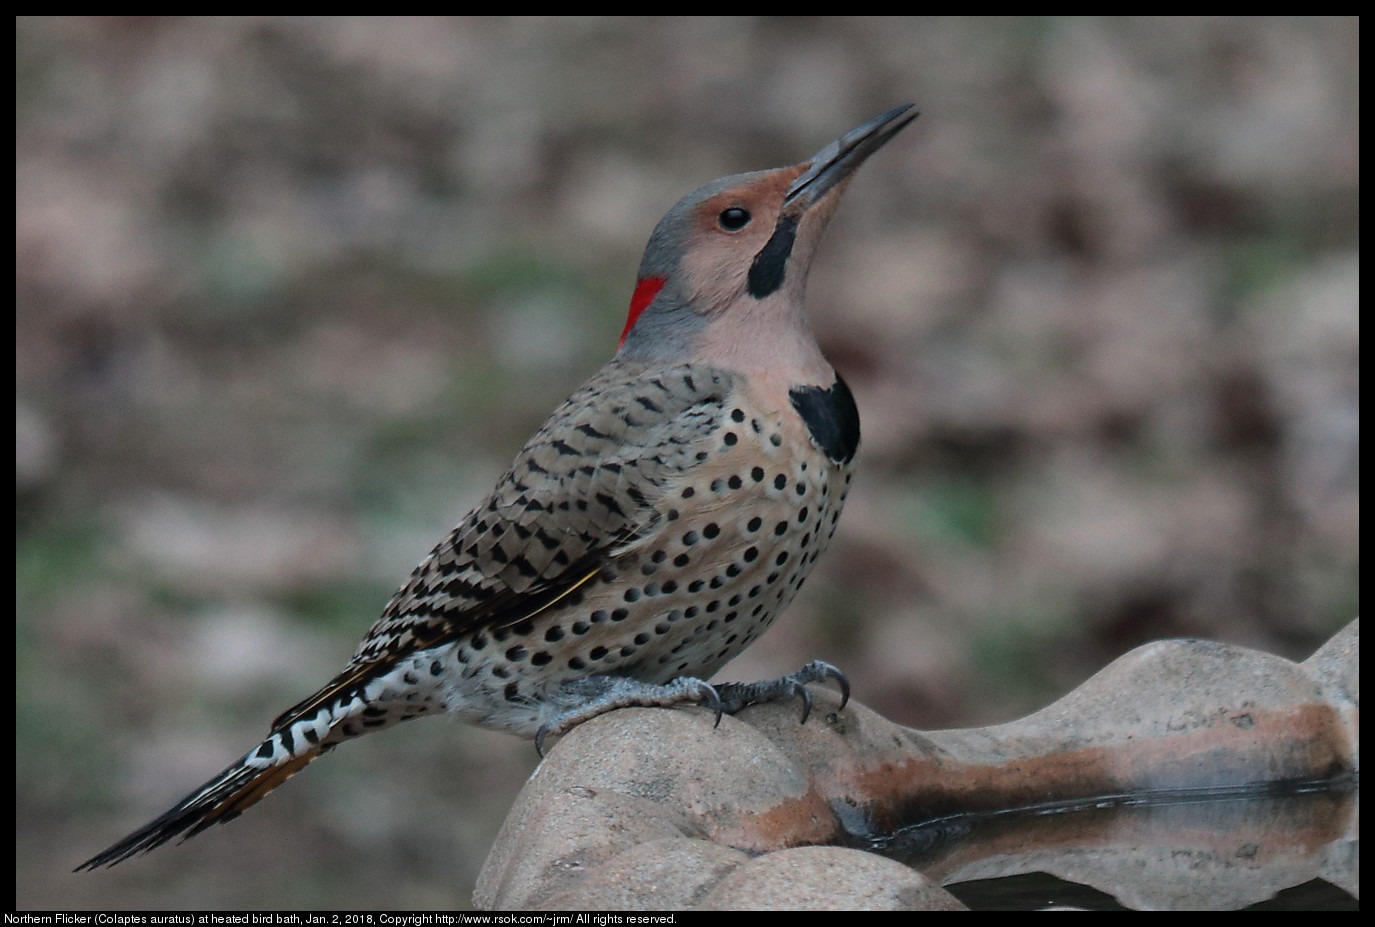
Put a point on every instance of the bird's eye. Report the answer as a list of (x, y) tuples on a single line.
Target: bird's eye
[(733, 219)]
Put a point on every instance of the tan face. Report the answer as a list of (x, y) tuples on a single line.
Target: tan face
[(728, 230)]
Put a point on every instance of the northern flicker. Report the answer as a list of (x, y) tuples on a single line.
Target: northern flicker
[(652, 529)]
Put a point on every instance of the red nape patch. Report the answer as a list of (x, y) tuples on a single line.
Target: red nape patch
[(644, 294)]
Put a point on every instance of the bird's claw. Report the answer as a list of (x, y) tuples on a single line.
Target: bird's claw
[(544, 731), (711, 699), (820, 670), (800, 690)]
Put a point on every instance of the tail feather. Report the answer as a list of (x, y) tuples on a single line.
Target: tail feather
[(223, 798), (298, 736)]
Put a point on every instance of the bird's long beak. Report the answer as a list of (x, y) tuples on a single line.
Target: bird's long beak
[(838, 160)]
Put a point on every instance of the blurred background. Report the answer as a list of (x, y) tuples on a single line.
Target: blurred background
[(292, 292)]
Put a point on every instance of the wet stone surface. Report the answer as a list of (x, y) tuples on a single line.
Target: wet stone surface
[(1239, 762)]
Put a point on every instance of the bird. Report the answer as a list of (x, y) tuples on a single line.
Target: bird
[(655, 526)]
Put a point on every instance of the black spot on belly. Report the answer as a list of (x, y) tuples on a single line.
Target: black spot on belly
[(831, 417)]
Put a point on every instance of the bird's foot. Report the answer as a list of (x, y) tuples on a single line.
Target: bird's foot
[(612, 692), (737, 695), (600, 694)]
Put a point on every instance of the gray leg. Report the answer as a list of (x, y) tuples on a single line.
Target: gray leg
[(596, 695), (606, 693)]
